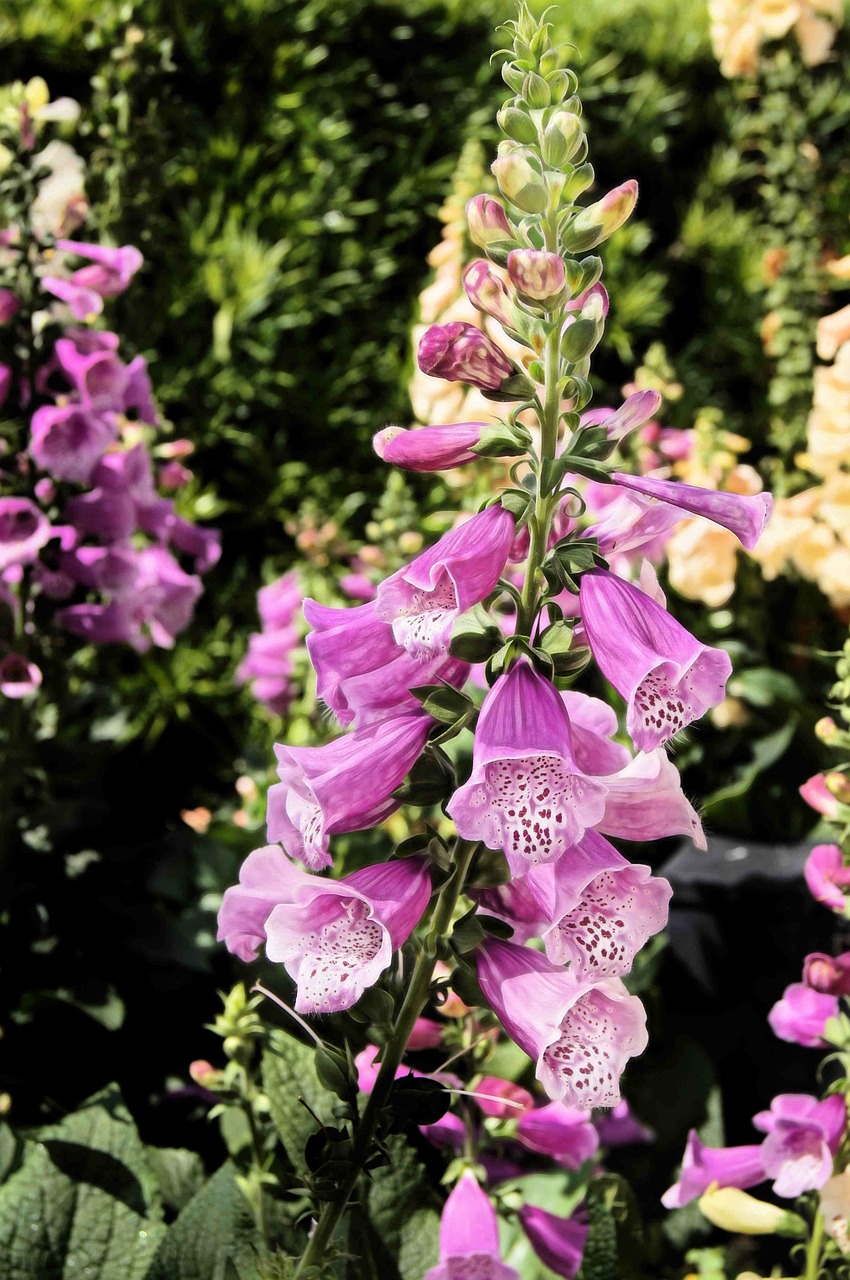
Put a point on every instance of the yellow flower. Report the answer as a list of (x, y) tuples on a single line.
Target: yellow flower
[(734, 1210), (839, 267), (833, 332)]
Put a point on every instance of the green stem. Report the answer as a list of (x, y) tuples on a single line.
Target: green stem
[(412, 1006), (258, 1160), (814, 1249)]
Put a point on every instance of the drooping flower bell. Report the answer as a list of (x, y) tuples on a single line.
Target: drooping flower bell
[(422, 600), (744, 515), (536, 274), (460, 352), (469, 1237), (526, 794), (827, 878), (24, 530), (487, 291), (558, 1242), (803, 1137), (334, 937), (830, 975), (68, 441), (487, 222), (346, 785), (429, 448), (801, 1015), (703, 1166), (579, 1034), (564, 1133), (666, 675)]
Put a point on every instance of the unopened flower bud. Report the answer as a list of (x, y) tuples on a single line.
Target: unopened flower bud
[(45, 490), (827, 730), (734, 1210), (536, 274), (519, 183), (600, 220), (487, 291), (173, 475), (839, 786), (202, 1072), (517, 124), (460, 352), (830, 975), (563, 137), (488, 223)]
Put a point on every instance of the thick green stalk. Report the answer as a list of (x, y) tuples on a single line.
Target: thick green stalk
[(394, 1050), (814, 1249)]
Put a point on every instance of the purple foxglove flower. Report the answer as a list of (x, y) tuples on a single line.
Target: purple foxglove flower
[(743, 516), (68, 442), (9, 306), (111, 269), (666, 676), (5, 383), (635, 410), (559, 1131), (740, 1167), (803, 1136), (24, 530), (102, 513), (579, 1034), (334, 937), (469, 1237), (203, 545), (487, 222), (827, 877), (98, 379), (605, 910), (18, 677), (620, 1127), (536, 274), (346, 785), (558, 1242), (114, 568), (84, 303), (138, 393), (173, 476), (514, 1100), (363, 675), (426, 1034), (127, 471), (119, 622), (800, 1016), (526, 794), (268, 666), (460, 352), (830, 975), (594, 725), (422, 601), (487, 291), (645, 801), (279, 602), (429, 448), (358, 586)]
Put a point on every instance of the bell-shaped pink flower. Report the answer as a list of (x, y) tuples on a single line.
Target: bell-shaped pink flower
[(645, 801), (334, 937), (740, 1167), (429, 448), (6, 379), (109, 515), (666, 675), (800, 1016), (817, 794), (620, 1127), (18, 676), (422, 600), (9, 305), (558, 1242), (502, 1098), (111, 269), (487, 291), (536, 274), (830, 975), (362, 674), (827, 877), (564, 1133), (460, 352), (346, 785), (469, 1237), (487, 222), (83, 303), (579, 1034), (803, 1137), (605, 910), (745, 516), (68, 441), (526, 795), (24, 530)]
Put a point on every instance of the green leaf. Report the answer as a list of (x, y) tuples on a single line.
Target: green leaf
[(765, 752), (85, 1201), (600, 1260), (289, 1074), (179, 1174), (213, 1238), (405, 1212)]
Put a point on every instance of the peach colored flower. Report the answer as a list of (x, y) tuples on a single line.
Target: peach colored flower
[(702, 561), (833, 332)]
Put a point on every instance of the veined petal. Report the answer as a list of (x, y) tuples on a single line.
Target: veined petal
[(743, 515)]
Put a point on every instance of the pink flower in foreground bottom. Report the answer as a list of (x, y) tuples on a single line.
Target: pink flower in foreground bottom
[(579, 1034), (469, 1237)]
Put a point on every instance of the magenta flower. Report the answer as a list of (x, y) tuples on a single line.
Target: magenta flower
[(620, 1127), (9, 306), (513, 1099), (69, 442), (18, 677), (579, 1034), (605, 910), (461, 352), (741, 515), (830, 975), (666, 675), (526, 794), (422, 601), (24, 530), (635, 410), (111, 269), (827, 877), (803, 1136), (426, 1034), (5, 383), (334, 937), (536, 274), (268, 664), (558, 1242), (362, 674), (429, 448), (346, 785), (800, 1016), (817, 794), (83, 303), (645, 801), (487, 291), (469, 1237), (739, 1167), (559, 1131)]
